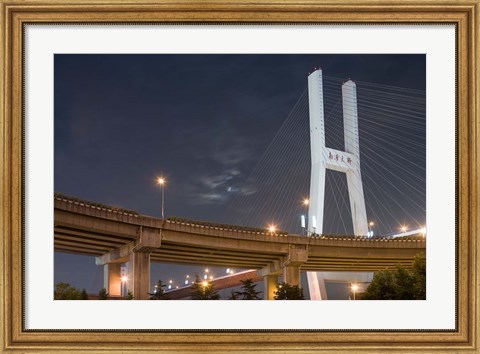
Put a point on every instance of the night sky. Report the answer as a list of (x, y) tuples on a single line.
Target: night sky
[(202, 121)]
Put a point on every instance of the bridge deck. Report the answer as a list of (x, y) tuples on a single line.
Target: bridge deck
[(88, 228)]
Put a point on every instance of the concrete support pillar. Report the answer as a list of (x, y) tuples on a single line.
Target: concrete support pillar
[(139, 275), (111, 279), (297, 255), (270, 285), (291, 274), (137, 256)]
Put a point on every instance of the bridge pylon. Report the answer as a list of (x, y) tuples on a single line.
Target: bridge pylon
[(323, 158)]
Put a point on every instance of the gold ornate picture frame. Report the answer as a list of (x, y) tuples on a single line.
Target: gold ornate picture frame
[(15, 14)]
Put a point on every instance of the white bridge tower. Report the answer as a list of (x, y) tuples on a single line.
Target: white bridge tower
[(324, 158)]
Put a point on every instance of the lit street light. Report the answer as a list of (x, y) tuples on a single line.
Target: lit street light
[(123, 284), (161, 181), (354, 289), (272, 228), (423, 231), (303, 218), (370, 230), (403, 228)]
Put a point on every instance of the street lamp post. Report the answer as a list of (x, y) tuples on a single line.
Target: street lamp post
[(303, 221), (370, 228), (161, 181), (123, 283), (354, 289)]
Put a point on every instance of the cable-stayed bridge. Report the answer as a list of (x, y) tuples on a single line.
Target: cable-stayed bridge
[(354, 150), (392, 139), (325, 151)]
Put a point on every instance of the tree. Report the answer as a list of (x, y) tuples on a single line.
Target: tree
[(382, 287), (102, 294), (159, 293), (287, 291), (249, 292), (233, 295), (84, 295), (129, 295), (203, 290), (399, 284), (420, 275), (63, 291)]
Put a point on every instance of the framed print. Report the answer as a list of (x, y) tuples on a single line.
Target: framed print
[(320, 152)]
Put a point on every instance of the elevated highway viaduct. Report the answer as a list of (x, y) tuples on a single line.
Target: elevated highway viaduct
[(119, 236)]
